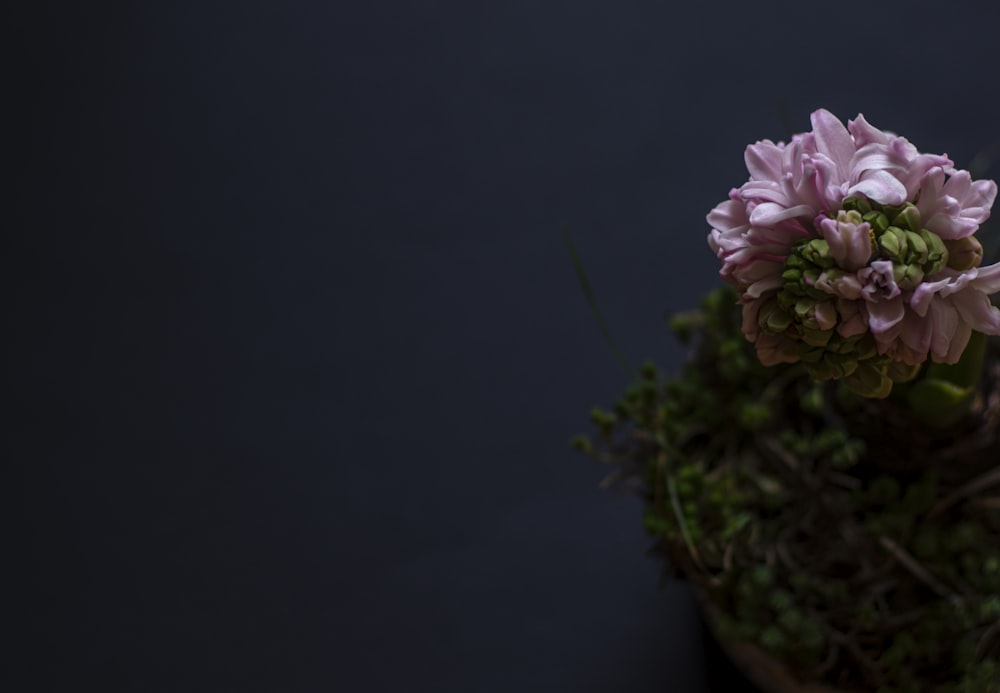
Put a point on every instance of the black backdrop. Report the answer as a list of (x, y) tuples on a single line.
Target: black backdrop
[(298, 348)]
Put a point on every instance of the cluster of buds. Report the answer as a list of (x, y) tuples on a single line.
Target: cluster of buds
[(854, 254), (864, 244)]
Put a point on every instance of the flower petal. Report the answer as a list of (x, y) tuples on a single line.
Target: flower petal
[(763, 160), (850, 243), (853, 318), (727, 215), (881, 187), (922, 296), (987, 278), (774, 349), (977, 311), (833, 140), (884, 315), (943, 319), (769, 213), (865, 133), (959, 341)]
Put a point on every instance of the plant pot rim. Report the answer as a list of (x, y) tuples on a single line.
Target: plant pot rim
[(764, 671)]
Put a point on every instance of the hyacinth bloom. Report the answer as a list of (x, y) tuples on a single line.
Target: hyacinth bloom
[(854, 253)]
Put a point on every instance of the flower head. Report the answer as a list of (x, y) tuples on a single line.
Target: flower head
[(854, 253)]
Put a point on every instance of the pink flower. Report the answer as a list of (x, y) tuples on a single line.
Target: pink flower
[(849, 238), (838, 245)]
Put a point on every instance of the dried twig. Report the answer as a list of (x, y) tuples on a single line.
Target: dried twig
[(918, 571), (980, 483)]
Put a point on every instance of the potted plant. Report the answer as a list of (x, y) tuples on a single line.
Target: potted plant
[(826, 468)]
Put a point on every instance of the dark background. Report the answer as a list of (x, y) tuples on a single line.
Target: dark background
[(298, 346)]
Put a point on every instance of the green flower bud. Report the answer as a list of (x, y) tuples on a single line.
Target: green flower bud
[(787, 298), (937, 252), (916, 248), (900, 372), (839, 345), (833, 367), (809, 354), (845, 363), (816, 338), (866, 348), (907, 277), (792, 275), (817, 251), (892, 211), (794, 261), (892, 243), (808, 284), (869, 381), (804, 308), (878, 221), (964, 253), (859, 204), (844, 345), (816, 315), (795, 290), (908, 218), (773, 318)]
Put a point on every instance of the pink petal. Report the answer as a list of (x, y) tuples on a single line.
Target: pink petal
[(761, 267), (951, 227), (954, 209), (916, 334), (875, 157), (921, 299), (728, 215), (959, 185), (959, 341), (826, 315), (751, 310), (958, 281), (983, 194), (987, 278), (853, 318), (759, 288), (884, 315), (881, 187), (978, 201), (864, 133), (848, 286), (769, 213), (944, 325), (833, 140), (917, 168), (763, 160), (977, 311), (930, 192), (879, 283), (850, 244), (786, 233), (758, 191)]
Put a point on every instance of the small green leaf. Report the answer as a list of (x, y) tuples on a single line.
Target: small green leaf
[(939, 403)]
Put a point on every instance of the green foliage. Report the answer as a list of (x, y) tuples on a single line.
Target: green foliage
[(943, 396), (783, 500)]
